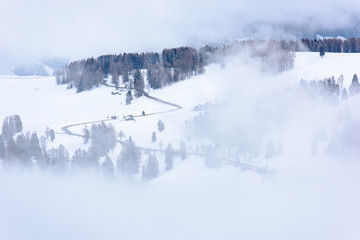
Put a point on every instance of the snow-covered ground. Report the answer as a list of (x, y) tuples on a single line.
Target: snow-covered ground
[(311, 195)]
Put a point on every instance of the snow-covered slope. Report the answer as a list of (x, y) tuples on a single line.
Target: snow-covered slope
[(43, 67), (312, 195), (41, 103)]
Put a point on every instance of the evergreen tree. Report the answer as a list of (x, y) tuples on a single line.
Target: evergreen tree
[(153, 137), (161, 126), (18, 123), (11, 150), (79, 159), (169, 158), (103, 138), (354, 88), (151, 168), (115, 79), (52, 134), (59, 159), (35, 146), (11, 125), (340, 81), (129, 98), (125, 76), (138, 83), (86, 134), (129, 160), (153, 76), (337, 90), (322, 51), (22, 153), (99, 77), (80, 87), (92, 158)]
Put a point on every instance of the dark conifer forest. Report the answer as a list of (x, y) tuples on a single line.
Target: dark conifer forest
[(168, 67)]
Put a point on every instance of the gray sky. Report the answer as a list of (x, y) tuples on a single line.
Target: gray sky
[(79, 28)]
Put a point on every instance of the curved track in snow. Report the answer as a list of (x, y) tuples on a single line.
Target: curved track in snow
[(244, 166), (66, 130)]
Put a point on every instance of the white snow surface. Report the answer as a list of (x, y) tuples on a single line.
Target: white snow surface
[(309, 196)]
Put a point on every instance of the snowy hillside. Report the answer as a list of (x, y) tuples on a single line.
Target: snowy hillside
[(257, 120), (43, 103), (45, 67)]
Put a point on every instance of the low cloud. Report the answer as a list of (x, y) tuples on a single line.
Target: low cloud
[(89, 28)]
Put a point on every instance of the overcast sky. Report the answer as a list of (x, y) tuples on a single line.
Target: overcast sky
[(79, 28)]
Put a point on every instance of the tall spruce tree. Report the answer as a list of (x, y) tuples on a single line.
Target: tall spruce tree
[(151, 168), (138, 83), (354, 88), (129, 159)]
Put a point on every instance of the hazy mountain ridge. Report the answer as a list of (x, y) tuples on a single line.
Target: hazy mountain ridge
[(43, 67)]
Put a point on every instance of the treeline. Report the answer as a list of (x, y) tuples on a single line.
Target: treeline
[(275, 56), (176, 64), (331, 88), (29, 151), (171, 66), (336, 45)]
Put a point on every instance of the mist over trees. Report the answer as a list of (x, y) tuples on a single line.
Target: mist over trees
[(176, 64), (107, 167), (276, 56), (169, 157), (11, 125), (212, 160), (86, 74), (128, 161), (28, 151), (102, 138), (151, 168), (172, 65), (351, 45), (331, 89)]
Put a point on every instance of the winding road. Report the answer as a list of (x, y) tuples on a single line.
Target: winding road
[(244, 166)]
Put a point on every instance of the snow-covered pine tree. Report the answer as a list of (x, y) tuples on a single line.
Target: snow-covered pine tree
[(151, 168), (128, 161), (161, 126)]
